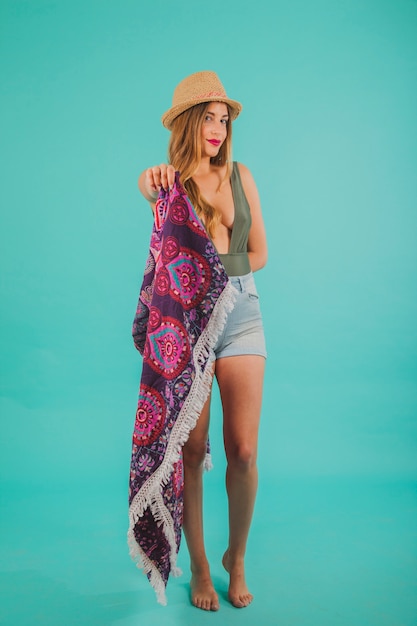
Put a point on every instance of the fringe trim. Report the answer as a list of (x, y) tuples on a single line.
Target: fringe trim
[(150, 493), (208, 464)]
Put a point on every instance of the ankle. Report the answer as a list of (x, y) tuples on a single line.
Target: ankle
[(234, 557), (200, 567)]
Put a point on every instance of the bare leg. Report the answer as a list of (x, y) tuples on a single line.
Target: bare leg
[(240, 380), (203, 595)]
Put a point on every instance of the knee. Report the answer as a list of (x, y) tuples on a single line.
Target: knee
[(194, 453), (242, 457)]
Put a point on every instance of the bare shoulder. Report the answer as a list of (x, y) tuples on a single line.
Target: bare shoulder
[(245, 174)]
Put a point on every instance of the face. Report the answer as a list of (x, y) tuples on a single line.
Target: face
[(214, 128)]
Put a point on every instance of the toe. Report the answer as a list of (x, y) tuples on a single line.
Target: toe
[(237, 602)]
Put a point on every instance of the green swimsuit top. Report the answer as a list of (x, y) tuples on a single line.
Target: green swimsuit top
[(236, 261)]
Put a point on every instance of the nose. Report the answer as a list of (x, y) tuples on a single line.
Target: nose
[(218, 128)]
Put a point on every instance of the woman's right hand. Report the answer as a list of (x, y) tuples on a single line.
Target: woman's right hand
[(153, 178)]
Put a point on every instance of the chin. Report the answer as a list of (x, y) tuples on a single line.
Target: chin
[(211, 155)]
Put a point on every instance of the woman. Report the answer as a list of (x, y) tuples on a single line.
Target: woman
[(225, 197)]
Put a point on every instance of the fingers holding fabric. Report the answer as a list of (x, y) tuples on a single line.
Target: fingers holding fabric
[(160, 176)]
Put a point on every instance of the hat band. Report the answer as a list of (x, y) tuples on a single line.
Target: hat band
[(210, 94)]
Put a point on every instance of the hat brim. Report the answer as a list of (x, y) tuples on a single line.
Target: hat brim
[(173, 112)]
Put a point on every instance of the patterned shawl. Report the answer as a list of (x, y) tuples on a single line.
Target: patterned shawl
[(183, 304)]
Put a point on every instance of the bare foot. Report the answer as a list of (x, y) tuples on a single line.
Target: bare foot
[(239, 594), (203, 595)]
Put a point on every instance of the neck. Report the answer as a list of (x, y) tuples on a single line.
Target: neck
[(204, 167)]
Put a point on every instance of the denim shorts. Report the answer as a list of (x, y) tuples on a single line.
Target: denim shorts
[(243, 332)]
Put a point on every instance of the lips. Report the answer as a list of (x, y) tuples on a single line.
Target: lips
[(214, 142)]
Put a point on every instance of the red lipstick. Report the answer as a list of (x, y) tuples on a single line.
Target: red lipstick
[(214, 142)]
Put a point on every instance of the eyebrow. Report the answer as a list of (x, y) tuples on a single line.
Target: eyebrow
[(212, 113)]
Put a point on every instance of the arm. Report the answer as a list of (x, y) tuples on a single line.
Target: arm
[(257, 246), (152, 179)]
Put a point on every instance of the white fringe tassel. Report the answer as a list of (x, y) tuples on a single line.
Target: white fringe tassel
[(149, 494)]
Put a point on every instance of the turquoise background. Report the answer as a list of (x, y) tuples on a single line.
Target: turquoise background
[(329, 131)]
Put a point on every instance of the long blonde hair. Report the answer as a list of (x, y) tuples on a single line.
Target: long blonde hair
[(184, 153)]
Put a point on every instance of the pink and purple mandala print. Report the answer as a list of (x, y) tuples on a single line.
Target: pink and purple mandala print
[(189, 277), (150, 416), (167, 349)]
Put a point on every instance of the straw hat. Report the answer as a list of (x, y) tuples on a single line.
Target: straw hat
[(197, 88)]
